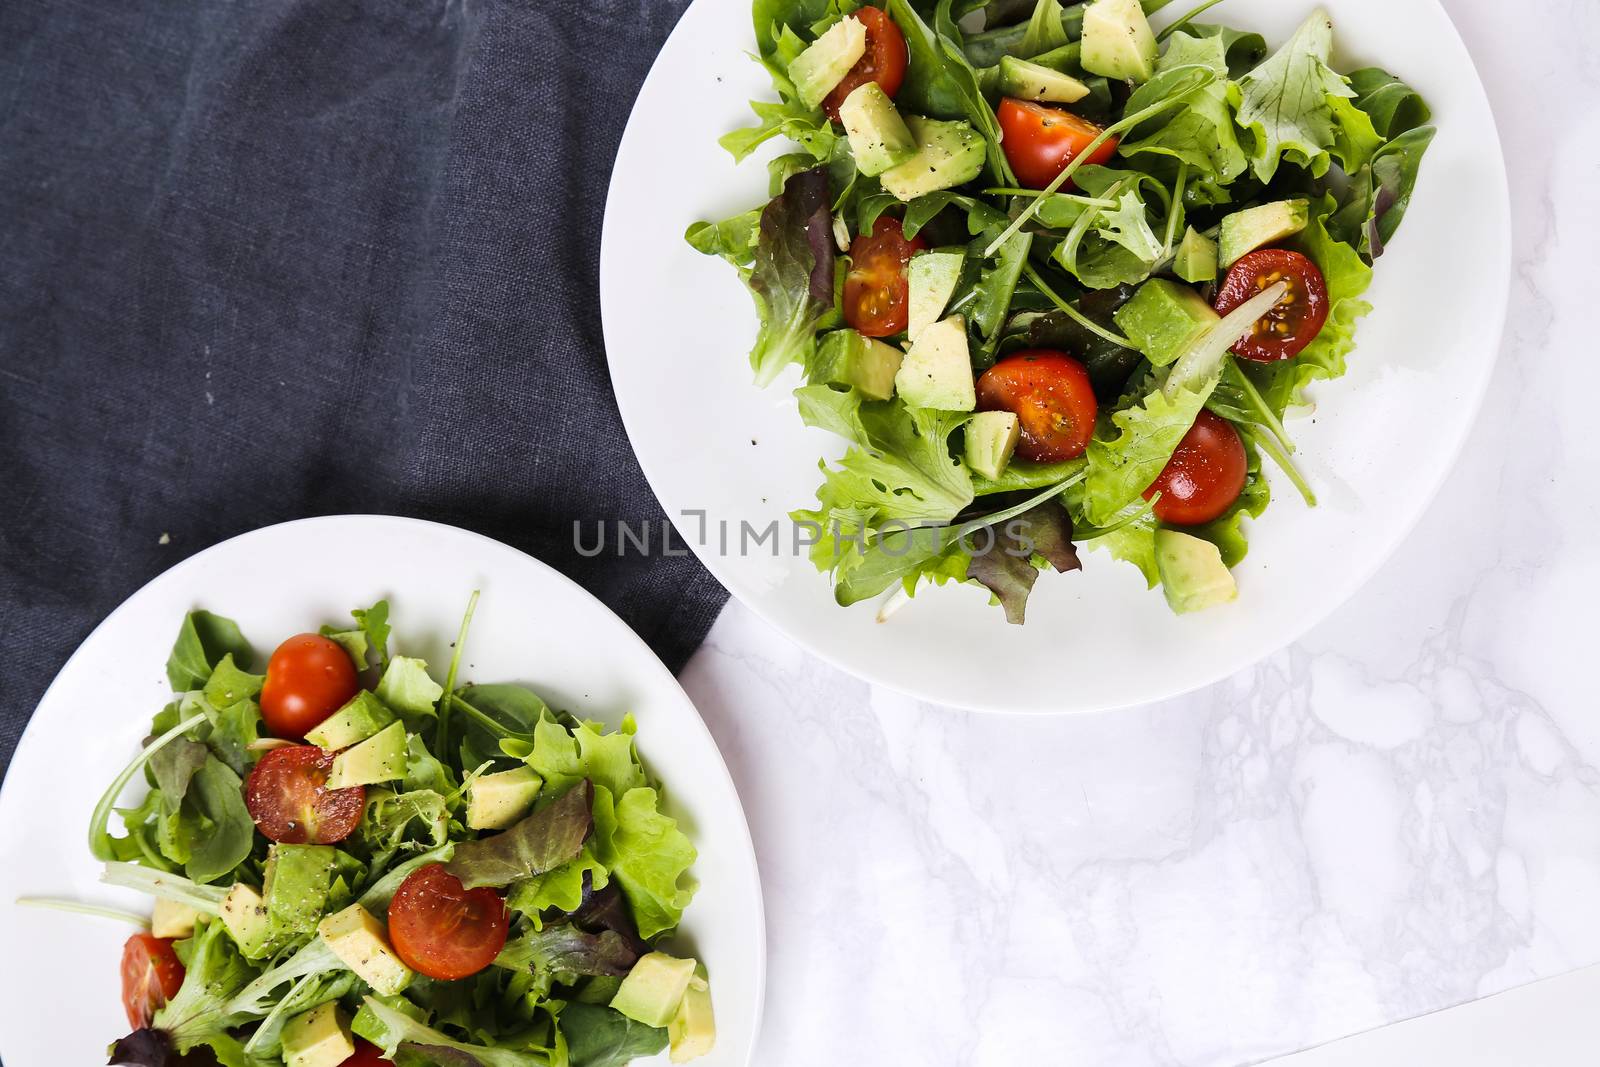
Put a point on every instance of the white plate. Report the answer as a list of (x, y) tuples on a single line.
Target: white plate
[(59, 990), (678, 326)]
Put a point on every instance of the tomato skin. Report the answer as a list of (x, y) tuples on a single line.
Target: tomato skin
[(308, 678), (1050, 394), (151, 975), (1205, 475), (883, 62), (366, 1055), (1039, 141), (443, 930), (1283, 332), (288, 798), (876, 291)]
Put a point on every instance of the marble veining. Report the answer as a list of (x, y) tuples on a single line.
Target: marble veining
[(1398, 813)]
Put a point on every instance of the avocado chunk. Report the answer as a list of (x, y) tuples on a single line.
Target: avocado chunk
[(1029, 81), (318, 1038), (1117, 41), (358, 720), (245, 915), (937, 372), (948, 154), (172, 919), (693, 1031), (495, 801), (1193, 576), (991, 439), (362, 944), (1245, 231), (931, 278), (653, 990), (827, 60), (380, 758), (1196, 257), (845, 357), (1163, 317), (879, 137), (296, 884)]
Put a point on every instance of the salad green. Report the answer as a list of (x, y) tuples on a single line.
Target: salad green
[(1031, 252), (449, 874)]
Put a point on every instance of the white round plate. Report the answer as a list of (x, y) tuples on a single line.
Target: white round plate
[(59, 993), (719, 452)]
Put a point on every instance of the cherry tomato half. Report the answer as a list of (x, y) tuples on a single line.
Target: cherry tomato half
[(288, 797), (875, 288), (883, 62), (1296, 320), (443, 930), (308, 678), (1054, 403), (1204, 476), (1040, 141), (366, 1055), (151, 975)]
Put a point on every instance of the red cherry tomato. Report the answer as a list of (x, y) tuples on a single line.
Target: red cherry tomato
[(288, 797), (883, 62), (1040, 141), (308, 678), (366, 1055), (1054, 403), (151, 975), (1204, 476), (875, 288), (443, 930), (1296, 320)]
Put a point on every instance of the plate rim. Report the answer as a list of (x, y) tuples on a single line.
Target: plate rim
[(748, 596), (29, 736)]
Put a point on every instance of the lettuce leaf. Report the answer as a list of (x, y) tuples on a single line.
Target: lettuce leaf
[(1285, 102), (1202, 133), (791, 276), (646, 854), (1129, 450), (1003, 562), (549, 837)]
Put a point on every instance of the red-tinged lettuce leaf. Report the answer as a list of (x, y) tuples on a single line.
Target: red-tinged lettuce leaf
[(565, 949), (1002, 558), (605, 909), (153, 1048), (792, 273), (543, 841)]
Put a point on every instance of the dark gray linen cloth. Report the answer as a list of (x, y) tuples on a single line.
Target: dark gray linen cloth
[(266, 260)]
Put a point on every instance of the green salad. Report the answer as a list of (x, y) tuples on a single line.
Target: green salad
[(1056, 277), (354, 863)]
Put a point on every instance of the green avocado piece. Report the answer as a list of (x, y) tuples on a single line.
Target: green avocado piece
[(991, 439), (1029, 81), (1245, 231), (948, 154), (495, 801), (1117, 41), (937, 372), (1163, 317), (1193, 576), (693, 1031), (827, 60), (358, 720), (244, 913), (847, 358), (380, 758), (654, 988), (318, 1038), (296, 884), (879, 137), (1196, 257), (931, 278)]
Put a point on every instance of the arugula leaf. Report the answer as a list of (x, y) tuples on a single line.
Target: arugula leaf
[(929, 87), (1379, 194), (229, 684), (203, 640), (498, 712), (374, 623), (1284, 102), (1130, 449), (991, 299), (1394, 106), (598, 1036), (792, 275), (1242, 49), (733, 239), (647, 855), (1046, 28), (206, 826), (1005, 565), (1202, 133), (549, 837)]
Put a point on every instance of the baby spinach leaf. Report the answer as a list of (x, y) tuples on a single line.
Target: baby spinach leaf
[(224, 832), (203, 640), (549, 837), (598, 1036)]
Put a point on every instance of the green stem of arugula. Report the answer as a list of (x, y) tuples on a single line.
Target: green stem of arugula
[(1127, 122), (1103, 531), (972, 526), (442, 736), (99, 835), (1264, 413), (1077, 316), (1074, 239), (1091, 201), (1175, 208), (72, 906), (1270, 447), (495, 728), (1186, 18)]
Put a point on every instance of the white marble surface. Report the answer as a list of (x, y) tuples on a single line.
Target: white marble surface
[(1398, 813)]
